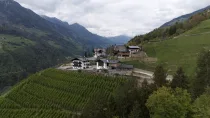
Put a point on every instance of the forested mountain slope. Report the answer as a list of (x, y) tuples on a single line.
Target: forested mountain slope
[(178, 28), (179, 44), (82, 33), (29, 43), (184, 17)]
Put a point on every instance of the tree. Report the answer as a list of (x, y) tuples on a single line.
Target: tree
[(179, 79), (124, 98), (201, 106), (172, 30), (143, 94), (169, 103), (135, 113), (202, 79), (96, 108), (110, 50), (160, 76)]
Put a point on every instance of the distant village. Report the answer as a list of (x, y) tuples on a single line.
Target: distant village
[(109, 61), (102, 59)]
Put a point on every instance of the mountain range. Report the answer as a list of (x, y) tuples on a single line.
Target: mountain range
[(184, 17), (86, 36), (30, 42), (122, 39)]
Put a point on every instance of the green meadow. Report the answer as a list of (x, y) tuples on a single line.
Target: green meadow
[(181, 51)]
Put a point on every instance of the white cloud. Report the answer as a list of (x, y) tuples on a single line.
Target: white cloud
[(115, 17)]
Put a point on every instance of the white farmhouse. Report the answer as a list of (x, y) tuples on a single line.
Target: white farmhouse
[(133, 50), (107, 64), (80, 63)]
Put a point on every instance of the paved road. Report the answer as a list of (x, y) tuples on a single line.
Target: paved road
[(148, 74)]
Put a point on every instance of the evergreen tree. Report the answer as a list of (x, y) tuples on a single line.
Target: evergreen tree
[(143, 94), (135, 113), (202, 79), (172, 30), (96, 108), (124, 98), (160, 76), (179, 79)]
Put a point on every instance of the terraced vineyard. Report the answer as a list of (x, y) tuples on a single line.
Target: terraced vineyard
[(55, 94)]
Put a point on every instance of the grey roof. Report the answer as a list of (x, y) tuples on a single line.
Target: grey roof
[(113, 61), (103, 60), (134, 47), (92, 59), (109, 61), (125, 66), (121, 48), (100, 49), (81, 59)]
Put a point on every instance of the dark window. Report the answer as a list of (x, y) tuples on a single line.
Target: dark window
[(101, 63)]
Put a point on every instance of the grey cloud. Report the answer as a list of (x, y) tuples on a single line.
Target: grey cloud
[(45, 5), (115, 17)]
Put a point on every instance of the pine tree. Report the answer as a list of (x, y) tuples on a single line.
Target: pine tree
[(160, 76), (180, 79), (135, 113), (202, 74)]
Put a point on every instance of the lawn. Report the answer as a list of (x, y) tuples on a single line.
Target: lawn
[(141, 64)]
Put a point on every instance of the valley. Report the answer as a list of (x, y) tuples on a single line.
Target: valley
[(50, 68), (30, 42)]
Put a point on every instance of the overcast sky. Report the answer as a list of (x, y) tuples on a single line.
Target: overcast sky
[(115, 17)]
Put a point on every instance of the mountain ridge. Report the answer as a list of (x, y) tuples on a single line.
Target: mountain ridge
[(121, 39), (82, 32), (184, 17), (30, 43)]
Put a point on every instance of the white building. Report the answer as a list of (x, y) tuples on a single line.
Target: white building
[(133, 49), (99, 52), (107, 64), (80, 63)]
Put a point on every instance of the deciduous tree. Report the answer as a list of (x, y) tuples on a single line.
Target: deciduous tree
[(201, 106), (169, 103)]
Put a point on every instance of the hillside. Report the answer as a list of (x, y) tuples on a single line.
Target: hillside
[(29, 43), (163, 33), (177, 45), (56, 93), (182, 50), (184, 17)]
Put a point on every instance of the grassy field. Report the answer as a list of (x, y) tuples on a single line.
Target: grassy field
[(55, 93), (182, 50), (140, 64)]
